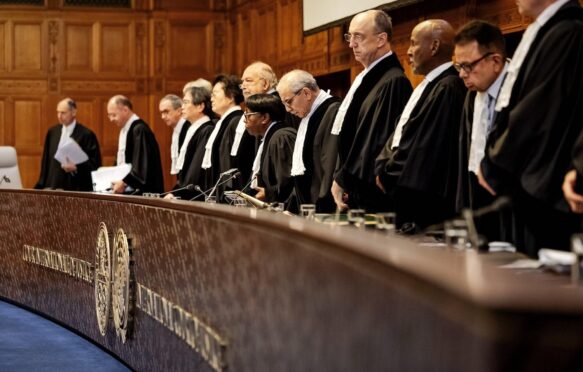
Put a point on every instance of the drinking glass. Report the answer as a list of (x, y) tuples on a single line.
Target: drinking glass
[(308, 211)]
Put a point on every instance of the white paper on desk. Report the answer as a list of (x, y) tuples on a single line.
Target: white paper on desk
[(71, 152), (104, 176), (525, 263), (552, 257)]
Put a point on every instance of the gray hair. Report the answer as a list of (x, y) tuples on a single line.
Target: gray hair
[(298, 79), (201, 83), (174, 100)]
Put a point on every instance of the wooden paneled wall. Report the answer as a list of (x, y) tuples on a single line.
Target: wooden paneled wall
[(51, 52)]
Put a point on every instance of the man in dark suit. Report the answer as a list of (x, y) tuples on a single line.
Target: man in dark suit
[(66, 175)]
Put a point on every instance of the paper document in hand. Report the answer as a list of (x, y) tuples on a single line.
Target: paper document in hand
[(104, 176), (71, 152)]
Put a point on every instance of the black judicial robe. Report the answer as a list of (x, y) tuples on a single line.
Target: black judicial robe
[(182, 134), (370, 120), (245, 153), (470, 194), (529, 149), (191, 172), (421, 174), (53, 176), (276, 161), (308, 186), (213, 173), (325, 161), (578, 163), (143, 153)]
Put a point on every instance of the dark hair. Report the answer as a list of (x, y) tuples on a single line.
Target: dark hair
[(202, 95), (383, 22), (72, 104), (124, 101), (488, 36), (266, 104), (231, 87)]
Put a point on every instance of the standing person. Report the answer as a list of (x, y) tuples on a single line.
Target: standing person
[(538, 119), (313, 160), (136, 146), (272, 166), (171, 112), (237, 147), (68, 176), (368, 113), (480, 56), (196, 108), (418, 167)]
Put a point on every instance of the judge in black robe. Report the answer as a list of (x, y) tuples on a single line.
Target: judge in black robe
[(420, 175), (226, 100), (191, 172), (141, 150), (243, 158), (53, 176), (196, 108), (368, 123), (143, 153), (529, 149), (303, 98), (272, 166)]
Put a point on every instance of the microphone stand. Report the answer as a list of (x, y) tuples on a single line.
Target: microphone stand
[(234, 173), (207, 196)]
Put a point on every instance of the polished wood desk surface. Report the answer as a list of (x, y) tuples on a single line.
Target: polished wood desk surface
[(287, 292)]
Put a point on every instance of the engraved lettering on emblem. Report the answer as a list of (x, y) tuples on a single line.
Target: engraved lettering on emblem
[(198, 335), (102, 278), (122, 297), (59, 262)]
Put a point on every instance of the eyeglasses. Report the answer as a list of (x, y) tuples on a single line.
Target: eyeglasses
[(356, 37), (290, 100), (469, 66), (247, 114)]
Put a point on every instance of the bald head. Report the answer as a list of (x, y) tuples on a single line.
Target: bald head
[(258, 78), (431, 45), (369, 36)]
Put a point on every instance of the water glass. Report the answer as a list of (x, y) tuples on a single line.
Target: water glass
[(456, 233), (308, 211), (386, 222), (356, 217)]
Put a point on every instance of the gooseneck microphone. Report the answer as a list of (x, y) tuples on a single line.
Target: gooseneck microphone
[(190, 186), (201, 191), (4, 178)]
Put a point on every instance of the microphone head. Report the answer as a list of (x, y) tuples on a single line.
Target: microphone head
[(230, 171), (197, 188), (190, 187)]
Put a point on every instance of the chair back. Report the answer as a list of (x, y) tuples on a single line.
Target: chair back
[(9, 173)]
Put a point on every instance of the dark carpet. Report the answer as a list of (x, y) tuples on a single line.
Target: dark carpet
[(29, 342)]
